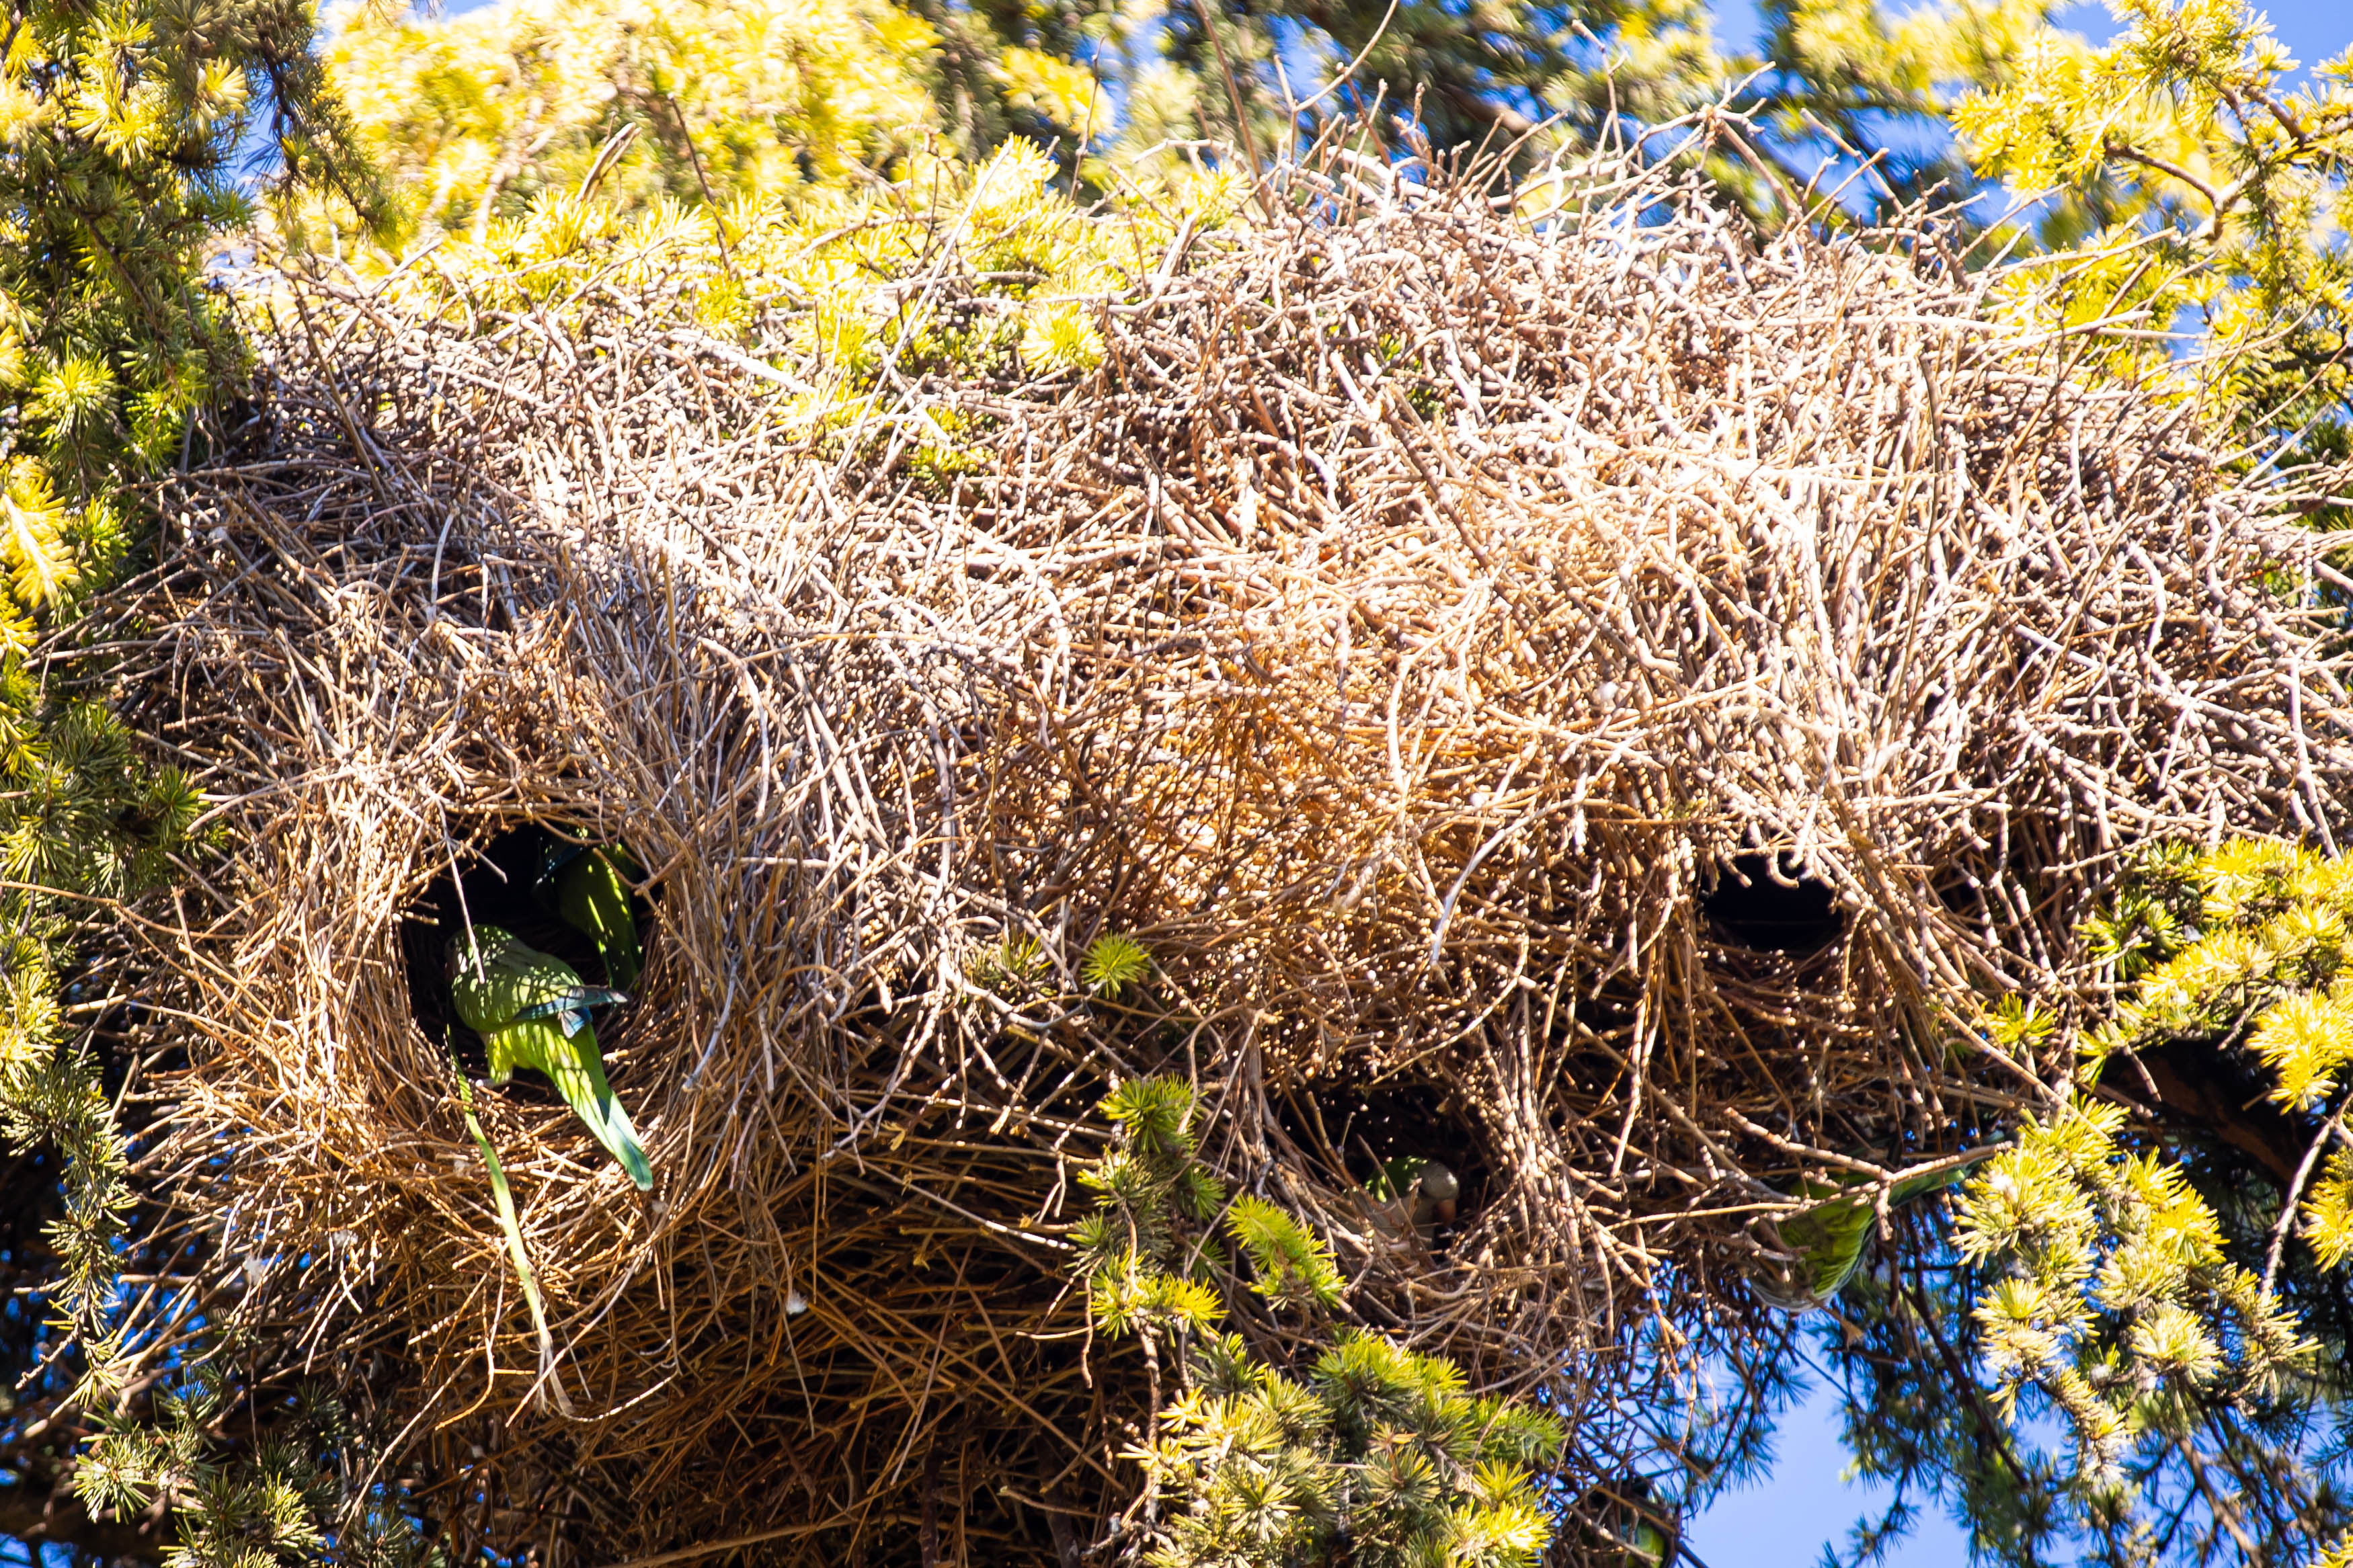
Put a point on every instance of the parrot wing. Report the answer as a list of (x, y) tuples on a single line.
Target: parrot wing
[(501, 977), (1653, 1547), (557, 854), (1830, 1239), (1827, 1242), (1907, 1188), (1395, 1177), (593, 900)]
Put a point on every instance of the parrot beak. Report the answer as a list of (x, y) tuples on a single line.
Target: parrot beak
[(1445, 1211)]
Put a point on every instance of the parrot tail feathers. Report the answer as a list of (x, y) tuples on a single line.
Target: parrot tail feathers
[(622, 965), (621, 1139)]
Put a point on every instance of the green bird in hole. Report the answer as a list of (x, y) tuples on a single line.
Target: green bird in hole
[(532, 1011), (1643, 1532), (1649, 1545), (1409, 1194), (586, 887), (1825, 1244)]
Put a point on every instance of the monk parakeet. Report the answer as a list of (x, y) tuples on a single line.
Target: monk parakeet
[(532, 1011), (1644, 1532), (1649, 1544), (1412, 1192), (587, 887), (1827, 1240)]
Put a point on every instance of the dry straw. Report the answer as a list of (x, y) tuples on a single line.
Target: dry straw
[(1413, 632)]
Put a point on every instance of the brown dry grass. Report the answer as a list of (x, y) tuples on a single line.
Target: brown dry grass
[(1400, 634)]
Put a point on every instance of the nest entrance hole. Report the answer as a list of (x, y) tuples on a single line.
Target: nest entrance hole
[(496, 884), (1356, 1127), (1770, 903)]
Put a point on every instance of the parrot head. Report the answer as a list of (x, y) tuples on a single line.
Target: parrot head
[(486, 939), (1440, 1187)]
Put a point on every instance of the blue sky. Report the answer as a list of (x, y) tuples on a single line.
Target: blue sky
[(2313, 30), (1784, 1521)]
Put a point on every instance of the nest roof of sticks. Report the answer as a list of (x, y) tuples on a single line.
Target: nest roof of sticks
[(1598, 701)]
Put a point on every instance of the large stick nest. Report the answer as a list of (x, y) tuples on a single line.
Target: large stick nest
[(1601, 702)]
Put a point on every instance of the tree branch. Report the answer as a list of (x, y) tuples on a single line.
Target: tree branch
[(33, 1515), (2132, 154)]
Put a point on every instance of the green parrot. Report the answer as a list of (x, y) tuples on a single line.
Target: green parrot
[(1829, 1238), (1645, 1532), (1652, 1540), (587, 889), (1649, 1545), (1412, 1193), (532, 1011)]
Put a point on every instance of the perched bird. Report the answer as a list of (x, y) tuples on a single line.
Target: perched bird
[(1649, 1532), (532, 1011), (1642, 1532), (587, 887), (1409, 1193), (1825, 1244), (1649, 1544)]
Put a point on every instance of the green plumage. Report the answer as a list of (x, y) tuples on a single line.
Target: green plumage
[(1829, 1239), (532, 1011), (589, 889), (1828, 1242), (1642, 1532), (1409, 1193)]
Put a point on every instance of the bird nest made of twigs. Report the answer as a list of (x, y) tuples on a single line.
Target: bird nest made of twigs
[(1587, 697)]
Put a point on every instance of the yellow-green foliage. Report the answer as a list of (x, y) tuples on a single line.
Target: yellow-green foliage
[(2117, 1299), (42, 548), (1149, 1251), (1874, 82), (2222, 191), (2118, 1302), (1917, 52), (735, 107), (121, 129), (1064, 95), (120, 125), (849, 295), (478, 117), (1377, 1448)]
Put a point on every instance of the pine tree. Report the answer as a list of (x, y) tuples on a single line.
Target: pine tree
[(2153, 1273), (2213, 203), (1487, 75), (122, 131), (727, 106), (1377, 1457), (473, 117)]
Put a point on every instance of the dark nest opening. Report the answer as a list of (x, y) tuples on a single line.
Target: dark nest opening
[(1348, 1129), (499, 881), (1771, 903)]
